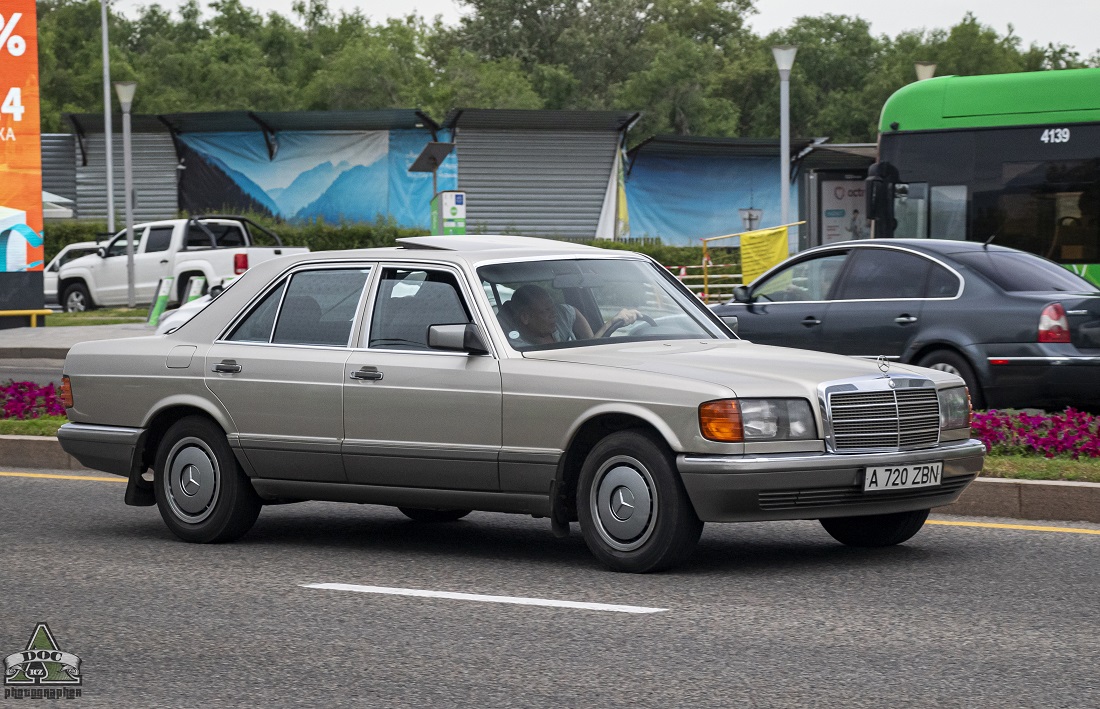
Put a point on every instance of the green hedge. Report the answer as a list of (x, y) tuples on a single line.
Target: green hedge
[(322, 236)]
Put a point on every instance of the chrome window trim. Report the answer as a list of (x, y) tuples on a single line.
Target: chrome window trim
[(853, 248), (1055, 360)]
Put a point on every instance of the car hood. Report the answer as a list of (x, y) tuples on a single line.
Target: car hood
[(747, 368)]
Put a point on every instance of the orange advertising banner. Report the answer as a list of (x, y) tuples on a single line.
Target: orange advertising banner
[(20, 139)]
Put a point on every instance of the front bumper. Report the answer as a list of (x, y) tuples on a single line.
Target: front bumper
[(815, 485), (112, 449)]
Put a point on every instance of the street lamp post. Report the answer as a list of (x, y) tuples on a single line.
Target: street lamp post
[(107, 142), (925, 70), (125, 91), (784, 59)]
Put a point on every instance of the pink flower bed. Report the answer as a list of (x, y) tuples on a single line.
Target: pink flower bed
[(1071, 433), (27, 400)]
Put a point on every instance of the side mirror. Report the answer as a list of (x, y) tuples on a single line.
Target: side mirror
[(457, 338), (101, 252), (741, 295), (731, 322)]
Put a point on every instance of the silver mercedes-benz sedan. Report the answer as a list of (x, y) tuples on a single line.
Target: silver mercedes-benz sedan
[(509, 374)]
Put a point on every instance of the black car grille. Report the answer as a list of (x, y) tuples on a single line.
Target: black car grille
[(824, 497), (891, 419)]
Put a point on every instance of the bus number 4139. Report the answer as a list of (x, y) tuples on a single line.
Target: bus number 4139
[(1055, 135)]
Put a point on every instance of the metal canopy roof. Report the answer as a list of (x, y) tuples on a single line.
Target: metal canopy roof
[(537, 119), (688, 145), (274, 122), (840, 156)]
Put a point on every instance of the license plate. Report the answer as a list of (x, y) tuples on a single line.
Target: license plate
[(901, 477)]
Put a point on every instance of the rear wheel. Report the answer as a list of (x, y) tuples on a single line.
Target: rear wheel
[(76, 299), (954, 363), (875, 530), (422, 515), (634, 511), (202, 494)]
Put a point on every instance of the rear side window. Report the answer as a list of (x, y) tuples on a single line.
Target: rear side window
[(1015, 271), (876, 274), (319, 307), (256, 327), (160, 238), (226, 236)]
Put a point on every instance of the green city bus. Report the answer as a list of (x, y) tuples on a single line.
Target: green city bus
[(1010, 157)]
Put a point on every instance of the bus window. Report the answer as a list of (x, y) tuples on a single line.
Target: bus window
[(948, 206), (911, 212)]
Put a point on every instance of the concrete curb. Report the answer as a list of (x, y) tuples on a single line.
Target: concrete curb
[(33, 352), (986, 497)]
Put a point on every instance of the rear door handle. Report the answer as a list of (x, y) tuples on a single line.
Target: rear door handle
[(227, 367), (810, 321), (905, 319), (367, 374)]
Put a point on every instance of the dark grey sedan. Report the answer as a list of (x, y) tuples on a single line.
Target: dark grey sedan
[(1021, 330)]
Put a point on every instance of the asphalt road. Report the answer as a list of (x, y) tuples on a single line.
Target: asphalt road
[(765, 615), (40, 371)]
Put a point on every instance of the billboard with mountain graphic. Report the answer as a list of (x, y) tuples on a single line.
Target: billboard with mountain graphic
[(338, 176)]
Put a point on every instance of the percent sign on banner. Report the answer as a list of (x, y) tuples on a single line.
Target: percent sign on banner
[(20, 140)]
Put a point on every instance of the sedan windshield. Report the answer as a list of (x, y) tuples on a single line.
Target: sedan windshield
[(570, 303)]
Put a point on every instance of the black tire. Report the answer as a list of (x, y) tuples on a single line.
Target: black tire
[(422, 515), (76, 299), (634, 465), (223, 506), (875, 530), (954, 363)]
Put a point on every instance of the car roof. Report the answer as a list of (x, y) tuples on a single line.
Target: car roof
[(938, 246)]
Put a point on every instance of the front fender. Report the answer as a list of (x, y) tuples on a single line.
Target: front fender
[(628, 409)]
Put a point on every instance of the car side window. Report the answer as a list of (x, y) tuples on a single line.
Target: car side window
[(256, 327), (876, 274), (411, 300), (320, 306), (159, 239), (810, 279), (118, 246), (942, 283)]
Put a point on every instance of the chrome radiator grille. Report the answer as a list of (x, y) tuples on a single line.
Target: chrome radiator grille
[(892, 418)]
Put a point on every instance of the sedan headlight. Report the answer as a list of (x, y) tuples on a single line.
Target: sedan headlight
[(757, 420), (954, 408)]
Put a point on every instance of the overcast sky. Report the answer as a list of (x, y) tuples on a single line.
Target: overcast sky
[(1072, 22)]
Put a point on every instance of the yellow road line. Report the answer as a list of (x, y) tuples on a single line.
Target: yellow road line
[(63, 477), (1026, 527)]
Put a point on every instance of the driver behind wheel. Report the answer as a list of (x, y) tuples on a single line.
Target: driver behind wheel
[(538, 320)]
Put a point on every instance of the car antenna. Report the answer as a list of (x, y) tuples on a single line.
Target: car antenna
[(989, 240)]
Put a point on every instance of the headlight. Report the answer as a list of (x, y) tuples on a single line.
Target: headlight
[(954, 408), (749, 420)]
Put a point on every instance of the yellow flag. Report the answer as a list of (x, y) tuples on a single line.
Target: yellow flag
[(762, 249)]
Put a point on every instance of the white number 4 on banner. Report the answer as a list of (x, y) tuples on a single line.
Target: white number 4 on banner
[(13, 104)]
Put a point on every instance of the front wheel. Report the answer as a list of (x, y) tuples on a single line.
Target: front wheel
[(422, 515), (633, 509), (202, 494), (876, 530), (76, 299)]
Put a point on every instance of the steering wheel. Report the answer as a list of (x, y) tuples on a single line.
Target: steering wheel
[(619, 322)]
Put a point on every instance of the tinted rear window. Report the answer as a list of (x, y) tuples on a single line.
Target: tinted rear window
[(1016, 272)]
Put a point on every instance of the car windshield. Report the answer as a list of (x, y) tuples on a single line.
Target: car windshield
[(580, 302), (1016, 272)]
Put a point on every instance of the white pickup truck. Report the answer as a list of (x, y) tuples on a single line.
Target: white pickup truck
[(217, 248)]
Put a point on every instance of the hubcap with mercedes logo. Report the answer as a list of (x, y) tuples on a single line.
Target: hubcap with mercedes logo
[(191, 480), (623, 503)]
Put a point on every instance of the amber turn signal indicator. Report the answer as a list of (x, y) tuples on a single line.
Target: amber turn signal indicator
[(66, 392), (721, 421)]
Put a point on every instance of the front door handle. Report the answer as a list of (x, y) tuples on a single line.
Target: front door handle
[(367, 374), (810, 321), (905, 319), (163, 261), (227, 366)]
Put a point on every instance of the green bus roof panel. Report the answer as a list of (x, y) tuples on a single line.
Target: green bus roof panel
[(989, 101)]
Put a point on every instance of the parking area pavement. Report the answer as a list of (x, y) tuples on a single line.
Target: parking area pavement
[(54, 342), (347, 604)]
